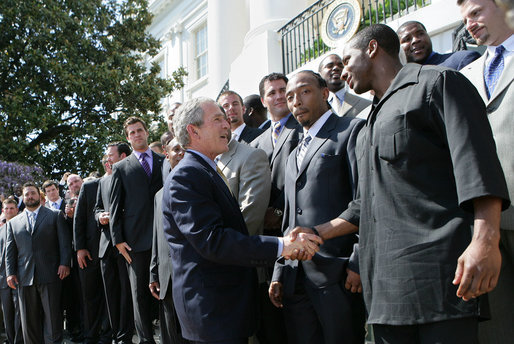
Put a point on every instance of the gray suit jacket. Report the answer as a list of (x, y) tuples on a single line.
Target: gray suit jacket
[(318, 192), (353, 106), (160, 264), (3, 239), (248, 174), (501, 117), (37, 256)]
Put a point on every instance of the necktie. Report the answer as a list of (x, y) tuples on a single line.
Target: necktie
[(32, 221), (302, 149), (276, 132), (223, 177), (494, 70), (55, 205), (337, 105), (145, 165)]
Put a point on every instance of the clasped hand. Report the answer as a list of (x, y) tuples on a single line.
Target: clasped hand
[(300, 244)]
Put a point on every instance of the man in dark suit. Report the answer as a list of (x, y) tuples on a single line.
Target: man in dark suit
[(135, 180), (113, 265), (277, 142), (8, 296), (38, 258), (256, 115), (416, 44), (343, 103), (232, 103), (321, 179), (86, 236), (160, 266), (214, 282), (53, 198)]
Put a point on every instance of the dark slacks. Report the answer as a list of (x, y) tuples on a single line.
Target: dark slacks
[(441, 332), (117, 295), (324, 316), (41, 317), (142, 300), (271, 328), (170, 326), (11, 312), (72, 301), (96, 323), (500, 329)]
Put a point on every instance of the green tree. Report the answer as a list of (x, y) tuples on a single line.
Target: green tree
[(71, 71)]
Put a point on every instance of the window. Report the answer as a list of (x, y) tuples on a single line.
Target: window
[(201, 52)]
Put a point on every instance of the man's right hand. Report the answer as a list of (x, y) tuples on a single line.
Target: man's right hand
[(124, 249), (155, 288), (302, 245), (275, 294), (104, 218), (12, 281)]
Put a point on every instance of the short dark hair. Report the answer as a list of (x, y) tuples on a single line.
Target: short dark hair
[(321, 64), (166, 137), (133, 120), (31, 184), (410, 22), (48, 183), (269, 78), (230, 92), (122, 147), (321, 82), (386, 38), (254, 101)]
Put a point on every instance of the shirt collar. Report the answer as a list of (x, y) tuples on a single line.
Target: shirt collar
[(282, 121), (237, 132), (314, 129), (204, 157), (148, 152), (508, 44), (35, 211)]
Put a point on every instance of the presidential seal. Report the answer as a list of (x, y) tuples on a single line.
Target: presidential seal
[(340, 22)]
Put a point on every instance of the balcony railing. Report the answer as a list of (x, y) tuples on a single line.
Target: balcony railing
[(301, 38)]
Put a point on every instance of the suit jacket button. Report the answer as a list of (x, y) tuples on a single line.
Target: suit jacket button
[(299, 184), (299, 211)]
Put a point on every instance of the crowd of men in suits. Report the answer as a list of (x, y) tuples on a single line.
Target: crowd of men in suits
[(301, 227)]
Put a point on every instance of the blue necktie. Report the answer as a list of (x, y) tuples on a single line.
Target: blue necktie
[(494, 70), (276, 132), (145, 165)]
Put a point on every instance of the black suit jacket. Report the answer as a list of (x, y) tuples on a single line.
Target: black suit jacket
[(3, 239), (318, 192), (249, 134), (456, 60), (287, 141), (132, 196), (214, 283), (86, 233)]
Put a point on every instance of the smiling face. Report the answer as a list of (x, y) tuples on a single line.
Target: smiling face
[(415, 42), (275, 99), (306, 99), (331, 69), (211, 138), (234, 109), (485, 22), (137, 135), (357, 67)]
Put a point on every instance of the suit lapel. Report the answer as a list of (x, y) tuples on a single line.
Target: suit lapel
[(284, 136), (43, 212), (135, 164), (156, 167), (227, 157), (475, 74), (317, 142)]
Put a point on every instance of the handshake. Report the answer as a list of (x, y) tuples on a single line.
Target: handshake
[(301, 244)]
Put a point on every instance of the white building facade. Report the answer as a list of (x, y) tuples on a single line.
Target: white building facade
[(234, 43)]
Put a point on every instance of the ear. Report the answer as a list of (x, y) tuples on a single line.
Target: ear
[(372, 48), (325, 92), (191, 130)]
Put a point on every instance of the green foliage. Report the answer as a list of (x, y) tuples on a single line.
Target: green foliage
[(387, 10), (318, 48), (71, 71)]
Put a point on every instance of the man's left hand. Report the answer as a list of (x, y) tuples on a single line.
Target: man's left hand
[(353, 282)]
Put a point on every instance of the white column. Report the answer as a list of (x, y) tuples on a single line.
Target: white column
[(227, 24), (262, 52)]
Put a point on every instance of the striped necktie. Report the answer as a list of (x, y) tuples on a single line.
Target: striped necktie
[(145, 165), (32, 220), (302, 149), (276, 132), (494, 70)]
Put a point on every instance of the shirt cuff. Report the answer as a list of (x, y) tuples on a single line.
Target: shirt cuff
[(280, 246)]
